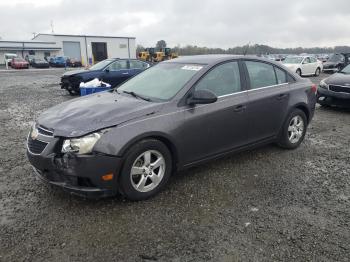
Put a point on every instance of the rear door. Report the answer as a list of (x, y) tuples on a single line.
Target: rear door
[(268, 97), (116, 73)]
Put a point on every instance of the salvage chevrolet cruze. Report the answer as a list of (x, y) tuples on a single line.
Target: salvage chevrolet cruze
[(172, 116)]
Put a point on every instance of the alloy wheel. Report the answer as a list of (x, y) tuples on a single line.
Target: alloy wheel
[(295, 129), (147, 171)]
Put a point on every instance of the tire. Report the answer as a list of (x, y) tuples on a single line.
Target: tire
[(72, 91), (292, 134), (138, 184), (318, 71), (298, 72)]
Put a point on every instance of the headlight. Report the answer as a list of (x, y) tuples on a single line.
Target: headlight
[(82, 145), (323, 84)]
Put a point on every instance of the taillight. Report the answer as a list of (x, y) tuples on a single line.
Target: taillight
[(314, 88)]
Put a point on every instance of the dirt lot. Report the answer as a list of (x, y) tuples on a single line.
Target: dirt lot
[(264, 205)]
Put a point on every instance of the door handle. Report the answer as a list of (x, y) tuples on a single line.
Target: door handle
[(282, 96), (125, 73), (239, 108)]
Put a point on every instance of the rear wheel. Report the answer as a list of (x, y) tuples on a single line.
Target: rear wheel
[(293, 130), (146, 170), (318, 71), (298, 72)]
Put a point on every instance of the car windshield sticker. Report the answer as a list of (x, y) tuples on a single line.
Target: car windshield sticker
[(192, 67)]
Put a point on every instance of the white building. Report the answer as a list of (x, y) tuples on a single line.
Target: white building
[(87, 48)]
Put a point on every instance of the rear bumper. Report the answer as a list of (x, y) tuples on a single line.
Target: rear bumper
[(79, 175), (325, 96)]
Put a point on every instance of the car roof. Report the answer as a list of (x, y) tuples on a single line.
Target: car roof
[(214, 59)]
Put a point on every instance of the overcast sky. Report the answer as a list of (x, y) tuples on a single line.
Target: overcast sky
[(212, 23)]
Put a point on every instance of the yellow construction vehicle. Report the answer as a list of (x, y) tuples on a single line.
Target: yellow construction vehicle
[(151, 55), (147, 54), (164, 54)]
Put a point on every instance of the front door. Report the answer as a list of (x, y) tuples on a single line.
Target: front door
[(116, 73), (214, 128)]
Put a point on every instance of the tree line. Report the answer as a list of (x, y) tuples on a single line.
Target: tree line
[(249, 49)]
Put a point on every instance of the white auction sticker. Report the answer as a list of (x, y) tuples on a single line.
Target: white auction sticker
[(192, 67)]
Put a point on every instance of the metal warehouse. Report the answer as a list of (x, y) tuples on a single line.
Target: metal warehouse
[(87, 48)]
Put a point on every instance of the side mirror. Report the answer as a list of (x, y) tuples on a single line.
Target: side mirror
[(107, 70), (201, 97)]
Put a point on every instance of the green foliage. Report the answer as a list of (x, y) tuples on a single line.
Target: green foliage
[(257, 49)]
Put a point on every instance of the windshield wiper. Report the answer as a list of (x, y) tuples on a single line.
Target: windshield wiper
[(137, 95)]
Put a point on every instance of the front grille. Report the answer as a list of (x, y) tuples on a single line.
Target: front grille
[(342, 89), (44, 131), (36, 146)]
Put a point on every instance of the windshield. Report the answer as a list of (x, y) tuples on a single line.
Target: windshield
[(335, 58), (346, 70), (10, 56), (101, 65), (162, 81), (293, 60)]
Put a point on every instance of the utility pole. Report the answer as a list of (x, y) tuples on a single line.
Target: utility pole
[(52, 32)]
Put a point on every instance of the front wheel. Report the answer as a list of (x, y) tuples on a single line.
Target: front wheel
[(146, 170), (293, 130)]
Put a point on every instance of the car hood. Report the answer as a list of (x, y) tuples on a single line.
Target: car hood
[(74, 72), (90, 113), (338, 79)]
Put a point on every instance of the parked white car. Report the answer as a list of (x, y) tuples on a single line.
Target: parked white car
[(304, 65), (8, 58)]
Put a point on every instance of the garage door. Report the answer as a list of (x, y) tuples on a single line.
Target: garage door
[(72, 49)]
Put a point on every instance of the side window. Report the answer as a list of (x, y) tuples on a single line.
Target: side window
[(313, 60), (134, 64), (260, 74), (224, 79), (281, 76), (306, 60), (118, 65)]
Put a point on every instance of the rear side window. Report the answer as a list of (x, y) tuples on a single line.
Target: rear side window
[(260, 74), (223, 80), (313, 59), (118, 65), (281, 76), (137, 64)]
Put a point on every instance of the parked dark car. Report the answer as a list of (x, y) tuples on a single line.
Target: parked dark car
[(335, 90), (19, 63), (40, 63), (58, 61), (73, 62), (174, 115), (29, 59), (336, 62), (111, 71)]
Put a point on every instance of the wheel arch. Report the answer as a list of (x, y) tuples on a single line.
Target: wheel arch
[(305, 109), (165, 139)]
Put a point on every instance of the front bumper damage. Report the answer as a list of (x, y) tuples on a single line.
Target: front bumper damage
[(78, 174)]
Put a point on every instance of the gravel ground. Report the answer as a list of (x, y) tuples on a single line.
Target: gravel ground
[(267, 204)]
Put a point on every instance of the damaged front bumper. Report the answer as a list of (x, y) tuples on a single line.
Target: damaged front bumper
[(78, 174)]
